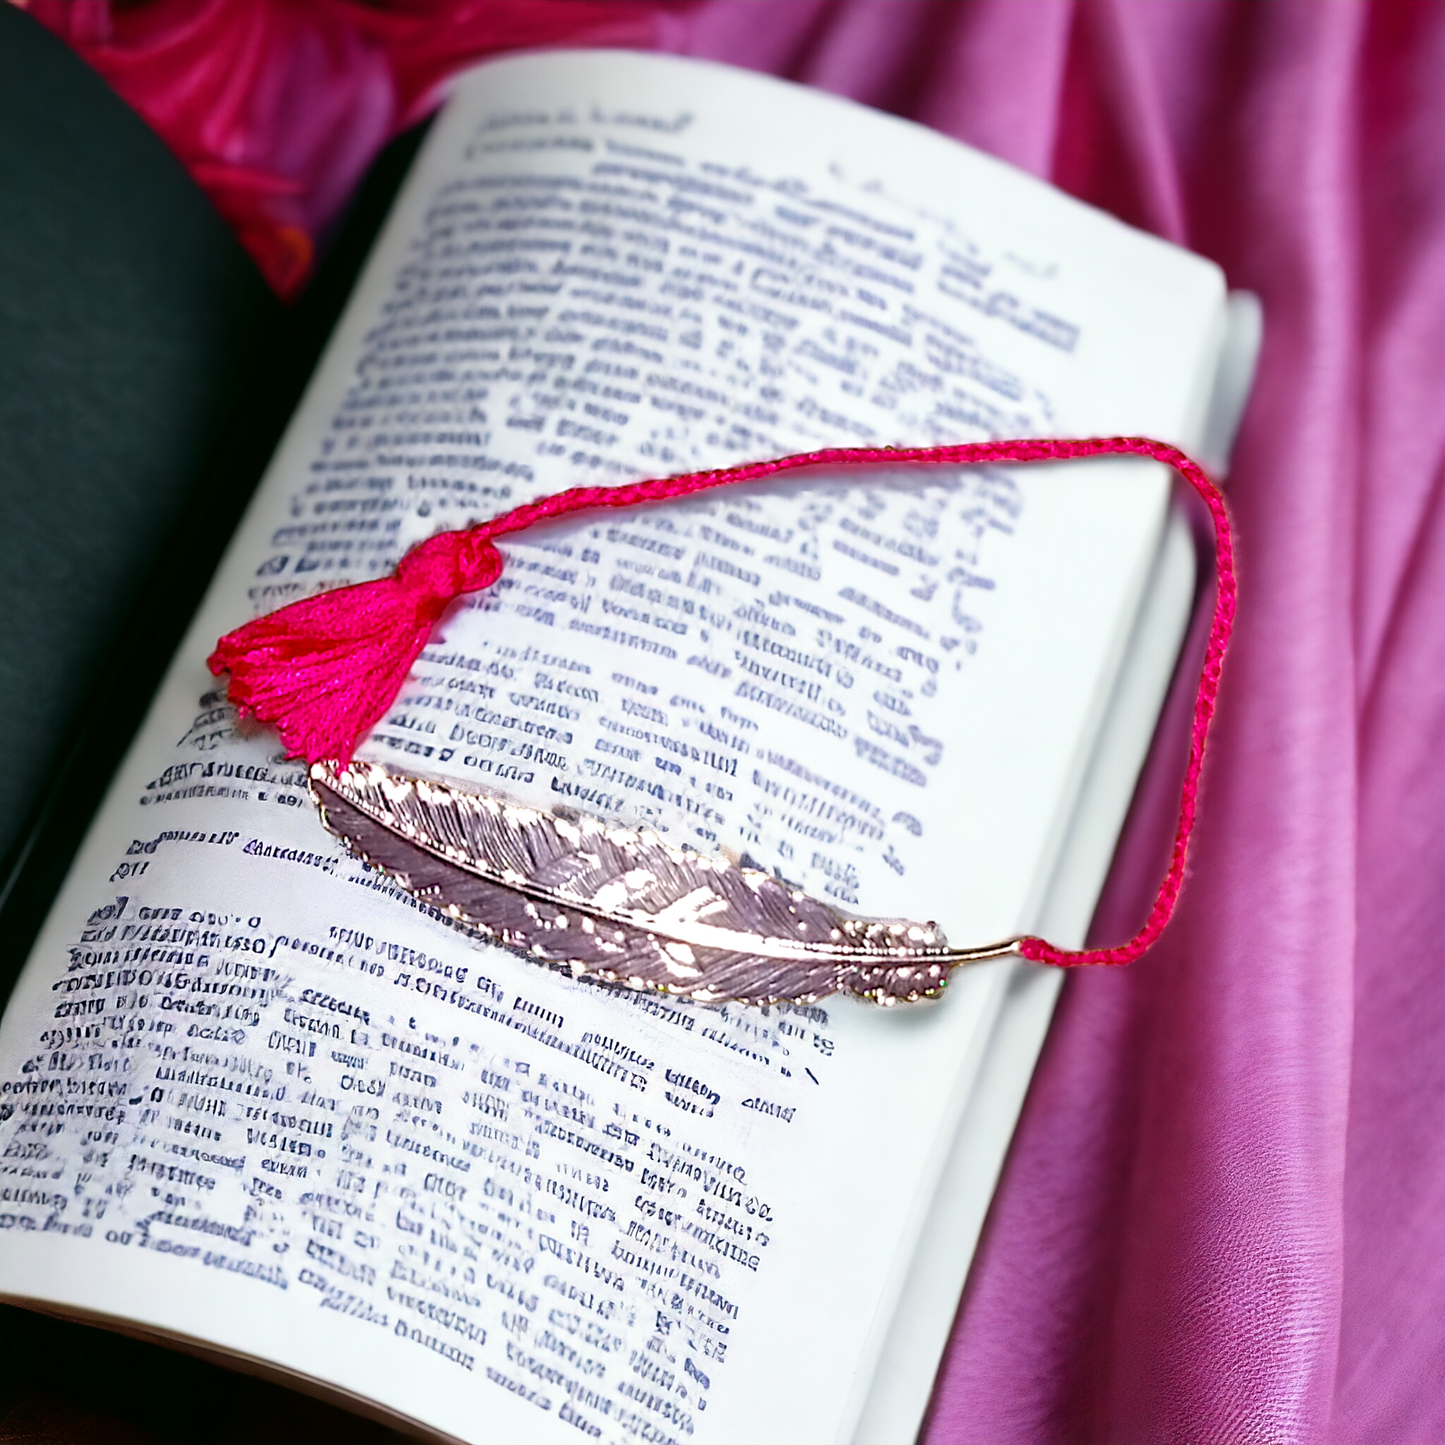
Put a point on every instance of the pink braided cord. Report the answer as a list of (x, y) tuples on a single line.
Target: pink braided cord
[(326, 669)]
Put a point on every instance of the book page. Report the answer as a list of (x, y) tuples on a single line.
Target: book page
[(254, 1095)]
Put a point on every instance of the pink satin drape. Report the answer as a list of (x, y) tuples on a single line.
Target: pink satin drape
[(1223, 1218)]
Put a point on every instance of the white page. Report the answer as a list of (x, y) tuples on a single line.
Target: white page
[(915, 1338), (865, 756), (896, 1398)]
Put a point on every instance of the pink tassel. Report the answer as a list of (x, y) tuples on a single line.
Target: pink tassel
[(324, 670)]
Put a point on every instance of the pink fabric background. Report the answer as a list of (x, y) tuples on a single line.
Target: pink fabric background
[(1223, 1218)]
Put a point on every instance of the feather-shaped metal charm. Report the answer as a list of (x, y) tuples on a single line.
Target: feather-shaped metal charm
[(622, 905)]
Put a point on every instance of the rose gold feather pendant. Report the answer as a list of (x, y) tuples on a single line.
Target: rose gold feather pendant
[(622, 905)]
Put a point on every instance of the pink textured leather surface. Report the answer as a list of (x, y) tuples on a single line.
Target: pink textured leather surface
[(1223, 1218)]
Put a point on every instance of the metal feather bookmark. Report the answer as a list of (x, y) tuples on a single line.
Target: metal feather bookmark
[(621, 905)]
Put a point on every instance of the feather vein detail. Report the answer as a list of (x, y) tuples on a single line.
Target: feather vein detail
[(624, 906)]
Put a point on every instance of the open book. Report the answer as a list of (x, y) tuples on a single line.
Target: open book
[(256, 1101)]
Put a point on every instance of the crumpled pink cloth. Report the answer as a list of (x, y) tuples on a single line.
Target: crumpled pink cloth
[(278, 106), (1223, 1217)]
